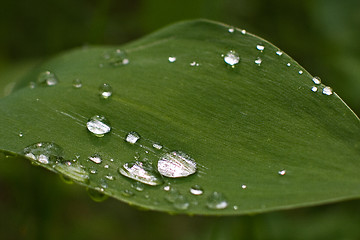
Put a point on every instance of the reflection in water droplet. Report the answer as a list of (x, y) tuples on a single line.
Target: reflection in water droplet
[(138, 186), (105, 91), (279, 53), (181, 203), (314, 89), (172, 59), (196, 190), (316, 80), (77, 83), (327, 91), (98, 125), (176, 164), (260, 47), (44, 152), (47, 78), (73, 171), (97, 194), (216, 200), (232, 58), (282, 172), (301, 72), (157, 146), (96, 158), (116, 58), (132, 137), (142, 172), (258, 61)]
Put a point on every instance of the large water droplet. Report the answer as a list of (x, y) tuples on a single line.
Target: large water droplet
[(77, 83), (96, 158), (216, 201), (232, 58), (132, 137), (260, 47), (116, 58), (172, 59), (142, 172), (176, 164), (97, 195), (105, 91), (98, 125), (44, 152), (47, 78), (316, 80), (73, 171), (327, 91), (196, 190)]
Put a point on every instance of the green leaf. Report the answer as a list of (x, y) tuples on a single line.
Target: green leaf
[(242, 125)]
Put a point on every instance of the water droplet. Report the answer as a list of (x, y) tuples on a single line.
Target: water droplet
[(111, 160), (172, 59), (96, 158), (47, 78), (73, 171), (314, 89), (216, 200), (167, 188), (132, 137), (243, 186), (77, 83), (282, 172), (44, 152), (196, 190), (176, 164), (181, 203), (142, 172), (66, 179), (116, 58), (288, 64), (232, 58), (260, 47), (235, 207), (316, 80), (258, 61), (106, 166), (110, 177), (98, 125), (171, 195), (327, 91), (301, 72), (21, 134), (97, 195), (243, 32), (105, 91), (93, 171), (194, 64), (157, 146), (127, 193), (32, 85), (138, 186), (231, 30), (279, 53)]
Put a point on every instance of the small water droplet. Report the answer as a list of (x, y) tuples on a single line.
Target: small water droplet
[(232, 58), (167, 188), (316, 80), (21, 134), (116, 58), (73, 171), (66, 179), (243, 186), (260, 47), (172, 59), (301, 72), (44, 152), (196, 190), (77, 83), (279, 53), (106, 166), (235, 207), (93, 171), (258, 61), (105, 91), (132, 137), (98, 125), (282, 172), (194, 64), (101, 65), (288, 64), (111, 160), (181, 203), (142, 172), (32, 85), (97, 194), (127, 193), (176, 164), (327, 91), (171, 195), (157, 146), (314, 89), (47, 78), (216, 200), (138, 186), (110, 177), (96, 158), (231, 30), (243, 32)]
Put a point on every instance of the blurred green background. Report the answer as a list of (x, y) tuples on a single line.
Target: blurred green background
[(322, 35)]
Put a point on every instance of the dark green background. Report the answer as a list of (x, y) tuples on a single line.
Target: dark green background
[(322, 35)]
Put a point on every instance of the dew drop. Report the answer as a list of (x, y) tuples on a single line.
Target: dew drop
[(181, 203), (316, 80), (21, 134), (132, 137), (116, 58), (196, 190), (216, 200), (260, 47), (138, 186), (167, 188), (172, 59), (32, 85), (97, 194), (96, 158), (171, 195), (243, 32), (327, 91), (105, 91), (243, 186), (127, 193), (73, 171), (176, 164), (142, 172), (157, 146), (231, 30), (282, 172), (77, 83), (194, 64), (235, 207), (279, 53), (258, 61), (47, 78), (301, 72), (44, 152), (106, 166), (93, 171), (314, 89), (288, 64), (232, 58), (98, 125)]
